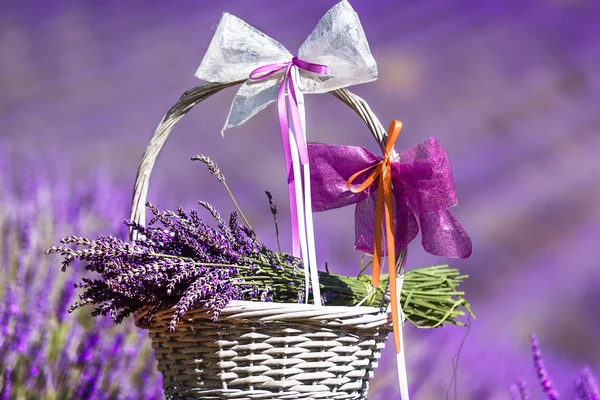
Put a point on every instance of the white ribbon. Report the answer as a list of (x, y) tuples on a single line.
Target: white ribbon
[(401, 356)]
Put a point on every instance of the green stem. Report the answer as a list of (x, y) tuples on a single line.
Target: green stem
[(238, 207)]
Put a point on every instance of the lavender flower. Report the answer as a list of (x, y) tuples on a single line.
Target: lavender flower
[(87, 347), (519, 390), (11, 309), (543, 376), (37, 359), (272, 204), (212, 167), (273, 208), (587, 386), (514, 392)]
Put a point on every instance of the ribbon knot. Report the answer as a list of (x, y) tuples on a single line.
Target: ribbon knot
[(385, 203), (267, 70), (290, 83)]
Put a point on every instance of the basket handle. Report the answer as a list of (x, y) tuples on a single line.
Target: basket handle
[(193, 97), (186, 102)]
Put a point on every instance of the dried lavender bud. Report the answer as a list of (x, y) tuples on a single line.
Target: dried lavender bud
[(273, 207), (272, 204), (215, 214), (212, 167)]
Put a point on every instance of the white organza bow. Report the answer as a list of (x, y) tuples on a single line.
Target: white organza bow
[(338, 41)]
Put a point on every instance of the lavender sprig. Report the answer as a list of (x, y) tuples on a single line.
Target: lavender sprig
[(519, 390), (273, 208), (212, 167), (540, 368)]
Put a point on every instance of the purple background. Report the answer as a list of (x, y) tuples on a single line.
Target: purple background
[(511, 89)]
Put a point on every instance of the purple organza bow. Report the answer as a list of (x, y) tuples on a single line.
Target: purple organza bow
[(423, 190)]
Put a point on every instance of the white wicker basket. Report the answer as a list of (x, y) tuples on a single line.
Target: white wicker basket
[(263, 350), (270, 351)]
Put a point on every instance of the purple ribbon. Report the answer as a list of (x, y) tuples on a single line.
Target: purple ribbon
[(265, 72), (423, 190)]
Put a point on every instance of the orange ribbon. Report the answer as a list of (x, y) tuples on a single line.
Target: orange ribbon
[(383, 170)]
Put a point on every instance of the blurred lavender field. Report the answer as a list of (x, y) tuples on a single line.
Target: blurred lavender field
[(511, 89), (46, 353)]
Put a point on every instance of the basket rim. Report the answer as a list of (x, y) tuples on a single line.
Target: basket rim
[(261, 312)]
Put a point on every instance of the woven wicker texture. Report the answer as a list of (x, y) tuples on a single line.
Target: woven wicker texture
[(263, 350), (270, 351)]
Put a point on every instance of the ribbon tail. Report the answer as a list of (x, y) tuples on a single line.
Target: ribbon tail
[(386, 195), (394, 301), (299, 218), (377, 245), (395, 289), (294, 187), (296, 99), (310, 233), (400, 356), (287, 153)]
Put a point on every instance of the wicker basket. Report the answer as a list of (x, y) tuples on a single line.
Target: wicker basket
[(263, 350), (270, 351)]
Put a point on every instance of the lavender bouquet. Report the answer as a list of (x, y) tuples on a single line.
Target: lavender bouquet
[(178, 260)]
